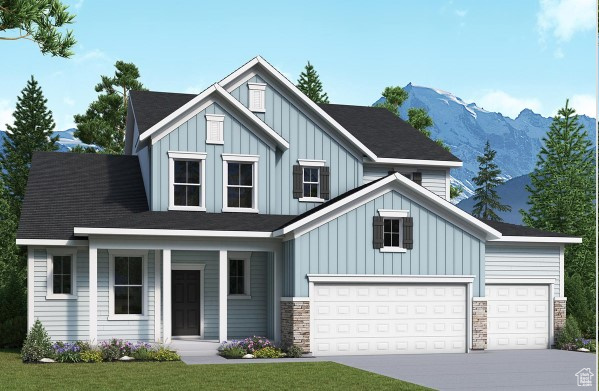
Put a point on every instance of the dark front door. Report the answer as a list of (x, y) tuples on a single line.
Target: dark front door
[(186, 302)]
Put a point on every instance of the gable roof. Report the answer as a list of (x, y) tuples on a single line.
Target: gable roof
[(521, 233), (386, 134), (152, 106)]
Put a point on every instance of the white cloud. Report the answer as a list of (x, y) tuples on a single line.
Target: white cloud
[(461, 13), (506, 104), (95, 54), (68, 101), (6, 109), (564, 18), (584, 104)]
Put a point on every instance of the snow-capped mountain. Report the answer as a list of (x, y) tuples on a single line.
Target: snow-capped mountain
[(465, 127), (66, 140)]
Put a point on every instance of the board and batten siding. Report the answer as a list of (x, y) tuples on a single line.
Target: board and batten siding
[(344, 246), (509, 261), (433, 180), (307, 140), (64, 320)]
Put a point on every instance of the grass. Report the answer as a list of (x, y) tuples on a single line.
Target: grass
[(14, 375)]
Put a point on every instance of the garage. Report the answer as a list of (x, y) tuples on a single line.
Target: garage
[(518, 316), (388, 318)]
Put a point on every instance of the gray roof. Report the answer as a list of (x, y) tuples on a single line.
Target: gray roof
[(151, 107), (508, 229)]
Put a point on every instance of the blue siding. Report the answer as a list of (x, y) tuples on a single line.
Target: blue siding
[(344, 246)]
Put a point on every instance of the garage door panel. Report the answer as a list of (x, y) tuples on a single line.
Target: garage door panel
[(511, 309), (368, 346), (405, 328), (518, 341), (382, 293), (389, 310)]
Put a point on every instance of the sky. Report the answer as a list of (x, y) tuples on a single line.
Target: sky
[(504, 55)]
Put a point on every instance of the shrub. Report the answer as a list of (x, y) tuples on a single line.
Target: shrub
[(92, 355), (164, 354), (233, 352), (84, 346), (268, 352), (13, 332), (142, 354), (113, 349), (66, 352), (294, 351), (569, 335), (255, 343), (581, 304), (37, 344)]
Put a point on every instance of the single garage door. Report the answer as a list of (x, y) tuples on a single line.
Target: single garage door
[(388, 319), (518, 316)]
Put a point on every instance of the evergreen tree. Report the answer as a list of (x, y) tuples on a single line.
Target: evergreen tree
[(32, 131), (485, 195), (103, 124), (309, 83), (562, 191), (394, 98)]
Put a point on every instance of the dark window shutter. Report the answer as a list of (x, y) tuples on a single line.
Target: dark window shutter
[(297, 181), (377, 232), (417, 178), (325, 183), (408, 233)]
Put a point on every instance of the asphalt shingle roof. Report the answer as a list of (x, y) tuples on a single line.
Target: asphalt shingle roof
[(508, 229), (151, 107)]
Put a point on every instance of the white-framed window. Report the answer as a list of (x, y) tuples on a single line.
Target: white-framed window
[(393, 229), (215, 129), (238, 277), (240, 183), (128, 285), (257, 97), (311, 186), (61, 276), (187, 181)]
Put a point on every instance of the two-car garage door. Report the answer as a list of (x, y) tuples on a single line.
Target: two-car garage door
[(388, 318)]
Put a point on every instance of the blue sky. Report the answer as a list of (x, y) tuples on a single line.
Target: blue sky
[(504, 55)]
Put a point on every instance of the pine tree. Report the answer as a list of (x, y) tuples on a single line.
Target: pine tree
[(309, 83), (562, 191), (32, 131), (394, 98), (485, 195)]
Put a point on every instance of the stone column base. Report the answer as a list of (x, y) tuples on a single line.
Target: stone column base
[(479, 323), (295, 323), (559, 316)]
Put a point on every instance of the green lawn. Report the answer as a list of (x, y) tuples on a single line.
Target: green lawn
[(14, 375)]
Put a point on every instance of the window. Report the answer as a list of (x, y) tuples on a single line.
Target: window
[(257, 97), (239, 274), (391, 232), (128, 286), (61, 274), (240, 183), (311, 181), (215, 129), (186, 179)]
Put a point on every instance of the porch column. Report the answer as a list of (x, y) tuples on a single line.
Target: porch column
[(222, 295), (166, 294), (157, 296), (93, 293)]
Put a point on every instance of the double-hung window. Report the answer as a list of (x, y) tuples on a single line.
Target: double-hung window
[(128, 292), (61, 274), (239, 274), (393, 231), (186, 180), (311, 181), (240, 179)]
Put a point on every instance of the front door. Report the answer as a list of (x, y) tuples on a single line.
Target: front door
[(186, 302)]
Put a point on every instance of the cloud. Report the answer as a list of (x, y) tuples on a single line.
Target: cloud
[(461, 13), (506, 104), (95, 54), (563, 18), (6, 109), (584, 104), (78, 4), (68, 101)]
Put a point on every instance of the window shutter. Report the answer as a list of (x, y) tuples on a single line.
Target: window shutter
[(297, 181), (377, 232), (325, 181), (408, 233), (417, 178)]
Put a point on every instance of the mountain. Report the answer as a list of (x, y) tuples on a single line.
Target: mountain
[(66, 140), (513, 193), (465, 127)]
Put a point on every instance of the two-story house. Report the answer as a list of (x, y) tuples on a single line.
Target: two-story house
[(250, 210)]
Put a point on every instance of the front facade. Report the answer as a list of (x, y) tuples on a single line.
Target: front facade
[(249, 210)]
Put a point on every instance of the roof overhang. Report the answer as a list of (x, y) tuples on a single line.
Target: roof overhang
[(87, 231), (418, 162), (537, 239), (51, 242)]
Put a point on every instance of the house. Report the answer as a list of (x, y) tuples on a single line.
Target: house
[(250, 210)]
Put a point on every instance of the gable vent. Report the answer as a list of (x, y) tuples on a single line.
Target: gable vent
[(215, 129)]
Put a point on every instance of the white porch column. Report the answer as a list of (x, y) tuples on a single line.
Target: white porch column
[(222, 295), (157, 296), (93, 293), (166, 294)]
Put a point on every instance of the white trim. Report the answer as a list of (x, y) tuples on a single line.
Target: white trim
[(30, 288), (551, 317), (479, 299), (144, 295), (560, 299), (93, 293), (188, 266), (215, 117), (256, 86), (383, 279), (50, 254), (85, 231), (157, 295), (296, 298), (167, 324), (222, 295), (537, 239), (219, 119), (311, 163), (469, 317), (51, 242), (239, 157), (260, 89), (448, 184), (235, 158), (190, 156), (311, 199), (393, 213), (245, 256), (391, 249), (417, 162), (197, 267), (520, 281), (312, 312), (561, 271)]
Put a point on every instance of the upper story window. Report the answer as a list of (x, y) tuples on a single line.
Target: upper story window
[(392, 231), (257, 97), (240, 177), (415, 176), (215, 129), (187, 180), (61, 274), (311, 181)]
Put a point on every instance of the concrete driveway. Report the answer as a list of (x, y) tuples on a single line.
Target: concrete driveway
[(488, 370)]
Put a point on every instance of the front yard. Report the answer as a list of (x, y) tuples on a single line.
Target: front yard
[(14, 375)]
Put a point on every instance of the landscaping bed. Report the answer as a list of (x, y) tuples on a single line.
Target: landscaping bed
[(257, 347)]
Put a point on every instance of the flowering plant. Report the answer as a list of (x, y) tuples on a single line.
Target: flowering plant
[(255, 343), (67, 352)]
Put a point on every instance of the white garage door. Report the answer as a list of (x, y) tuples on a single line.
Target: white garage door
[(518, 316), (388, 319)]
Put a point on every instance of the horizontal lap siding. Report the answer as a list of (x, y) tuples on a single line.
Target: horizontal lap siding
[(344, 246), (65, 320), (508, 261), (433, 180)]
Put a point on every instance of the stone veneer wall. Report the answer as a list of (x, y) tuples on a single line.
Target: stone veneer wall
[(295, 324), (559, 316), (479, 324)]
